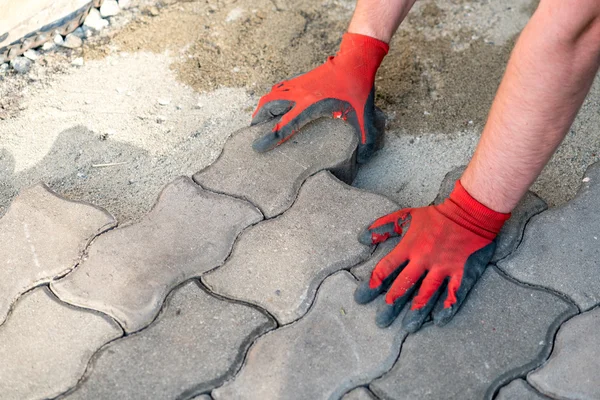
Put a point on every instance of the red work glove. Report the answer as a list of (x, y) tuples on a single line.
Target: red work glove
[(341, 88), (443, 252)]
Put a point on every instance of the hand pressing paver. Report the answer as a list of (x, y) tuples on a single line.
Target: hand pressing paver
[(45, 345), (197, 341), (359, 394), (572, 371), (561, 247), (363, 271), (502, 331), (511, 234), (519, 390), (334, 348), (271, 180), (279, 263), (42, 236), (129, 271)]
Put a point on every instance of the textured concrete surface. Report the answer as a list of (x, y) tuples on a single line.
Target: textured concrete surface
[(502, 331), (42, 236), (360, 393), (572, 371), (197, 338), (278, 264), (519, 390), (271, 180), (561, 247), (512, 232), (45, 345), (130, 270), (325, 354)]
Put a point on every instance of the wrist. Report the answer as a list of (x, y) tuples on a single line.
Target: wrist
[(466, 211), (370, 50)]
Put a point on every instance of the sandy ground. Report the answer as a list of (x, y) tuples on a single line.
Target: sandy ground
[(157, 97)]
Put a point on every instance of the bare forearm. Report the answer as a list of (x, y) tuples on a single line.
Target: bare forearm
[(547, 78), (379, 18)]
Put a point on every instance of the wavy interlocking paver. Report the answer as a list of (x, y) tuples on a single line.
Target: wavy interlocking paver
[(42, 236), (519, 390), (561, 247), (196, 342), (271, 180), (359, 394), (512, 232), (130, 270), (45, 345), (334, 348), (572, 370), (279, 263), (502, 331)]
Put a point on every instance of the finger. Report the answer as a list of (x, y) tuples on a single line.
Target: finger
[(388, 226), (292, 122), (366, 127), (383, 275), (422, 304), (266, 111), (459, 286), (399, 294)]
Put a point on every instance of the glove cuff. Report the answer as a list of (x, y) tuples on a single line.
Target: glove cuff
[(370, 49), (466, 211)]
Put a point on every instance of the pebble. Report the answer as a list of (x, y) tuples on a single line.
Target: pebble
[(72, 42), (109, 8), (79, 32), (58, 39), (48, 46), (95, 21), (124, 4), (78, 62), (164, 102), (32, 54), (4, 67), (153, 11), (21, 64)]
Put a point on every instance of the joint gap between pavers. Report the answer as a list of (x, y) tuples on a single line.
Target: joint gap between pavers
[(563, 296), (242, 198), (543, 355), (366, 387), (240, 360), (380, 395)]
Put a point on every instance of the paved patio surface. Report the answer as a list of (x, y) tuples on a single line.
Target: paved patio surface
[(229, 291)]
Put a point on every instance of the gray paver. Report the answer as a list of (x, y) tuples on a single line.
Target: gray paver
[(42, 236), (519, 390), (45, 345), (501, 331), (196, 341), (360, 393), (271, 180), (561, 247), (130, 270), (337, 336), (279, 263), (572, 370), (512, 232)]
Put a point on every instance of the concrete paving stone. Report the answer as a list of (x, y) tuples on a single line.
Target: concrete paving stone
[(360, 393), (271, 180), (519, 390), (279, 263), (196, 342), (129, 271), (512, 233), (502, 331), (45, 345), (572, 370), (43, 236), (561, 247), (337, 336)]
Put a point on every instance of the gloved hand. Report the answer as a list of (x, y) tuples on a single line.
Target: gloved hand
[(444, 250), (341, 88)]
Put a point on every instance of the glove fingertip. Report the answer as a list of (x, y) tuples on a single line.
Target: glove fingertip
[(386, 315), (365, 237), (265, 143), (364, 294), (443, 316)]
